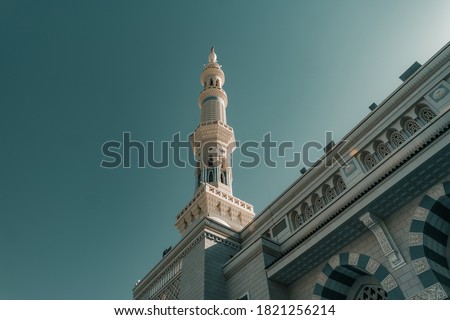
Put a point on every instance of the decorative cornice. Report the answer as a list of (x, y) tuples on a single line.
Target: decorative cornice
[(408, 88), (364, 186)]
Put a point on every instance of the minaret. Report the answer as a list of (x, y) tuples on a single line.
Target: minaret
[(213, 143)]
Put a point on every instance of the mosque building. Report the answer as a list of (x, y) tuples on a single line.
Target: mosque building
[(373, 226)]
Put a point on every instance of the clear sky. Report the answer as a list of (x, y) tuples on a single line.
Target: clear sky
[(75, 74)]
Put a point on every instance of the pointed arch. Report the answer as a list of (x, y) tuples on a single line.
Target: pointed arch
[(343, 271), (429, 240)]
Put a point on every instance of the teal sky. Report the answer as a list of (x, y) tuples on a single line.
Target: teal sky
[(75, 74)]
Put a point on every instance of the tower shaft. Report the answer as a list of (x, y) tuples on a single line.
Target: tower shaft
[(213, 143)]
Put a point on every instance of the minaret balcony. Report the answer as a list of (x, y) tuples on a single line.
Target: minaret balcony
[(214, 131), (212, 202)]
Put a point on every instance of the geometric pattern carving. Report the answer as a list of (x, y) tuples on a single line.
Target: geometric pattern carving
[(434, 292), (420, 265), (170, 292), (369, 161), (426, 114), (174, 269), (385, 240), (300, 219), (353, 258), (420, 214), (372, 266), (411, 126), (340, 185), (389, 283), (212, 202), (383, 150), (331, 193), (397, 138), (439, 93), (319, 203), (371, 292), (415, 238)]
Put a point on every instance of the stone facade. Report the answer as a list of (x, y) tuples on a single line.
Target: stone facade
[(375, 225)]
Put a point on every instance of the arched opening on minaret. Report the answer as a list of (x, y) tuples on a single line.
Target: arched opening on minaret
[(210, 176)]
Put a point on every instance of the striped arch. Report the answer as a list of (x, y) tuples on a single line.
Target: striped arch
[(341, 272), (429, 239)]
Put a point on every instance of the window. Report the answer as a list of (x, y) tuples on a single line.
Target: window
[(369, 161), (210, 176), (340, 185), (383, 150), (367, 287), (330, 194), (309, 212), (426, 114), (319, 203), (371, 292), (300, 219), (411, 127), (223, 178), (397, 138)]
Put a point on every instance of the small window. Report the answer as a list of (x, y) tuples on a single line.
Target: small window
[(369, 161), (426, 114), (411, 126), (371, 292), (210, 176), (340, 185), (383, 150), (309, 212), (397, 138), (319, 203), (330, 193), (300, 219)]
